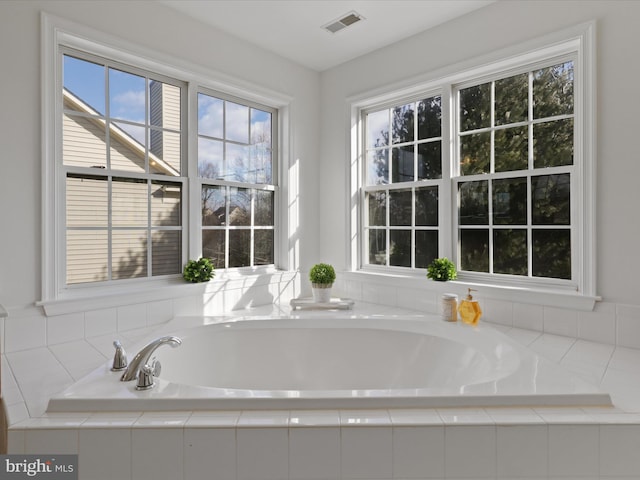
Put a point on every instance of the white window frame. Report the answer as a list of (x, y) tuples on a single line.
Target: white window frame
[(578, 42), (56, 297)]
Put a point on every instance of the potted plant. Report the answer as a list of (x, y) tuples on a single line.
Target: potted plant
[(196, 271), (322, 276), (441, 270)]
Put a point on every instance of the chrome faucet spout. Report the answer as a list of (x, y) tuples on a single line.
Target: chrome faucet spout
[(142, 357)]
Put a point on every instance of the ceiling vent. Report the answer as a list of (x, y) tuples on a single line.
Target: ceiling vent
[(344, 22)]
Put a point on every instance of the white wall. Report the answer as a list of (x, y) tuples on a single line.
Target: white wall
[(479, 33), (153, 27)]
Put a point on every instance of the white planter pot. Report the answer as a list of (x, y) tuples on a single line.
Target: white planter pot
[(321, 292)]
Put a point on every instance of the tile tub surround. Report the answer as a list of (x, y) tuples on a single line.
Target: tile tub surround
[(586, 443)]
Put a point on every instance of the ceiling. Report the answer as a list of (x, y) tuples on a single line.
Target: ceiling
[(293, 28)]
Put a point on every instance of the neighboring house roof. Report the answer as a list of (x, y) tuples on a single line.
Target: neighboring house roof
[(116, 132)]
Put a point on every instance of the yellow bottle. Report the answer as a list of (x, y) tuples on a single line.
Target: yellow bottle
[(469, 309)]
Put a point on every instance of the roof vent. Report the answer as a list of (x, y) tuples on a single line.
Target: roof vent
[(344, 22)]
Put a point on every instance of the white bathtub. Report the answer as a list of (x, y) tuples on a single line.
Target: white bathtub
[(289, 363)]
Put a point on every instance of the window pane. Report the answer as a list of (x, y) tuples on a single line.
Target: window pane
[(511, 99), (87, 201), (164, 155), (85, 82), (475, 153), (426, 247), (474, 203), (474, 250), (213, 246), (511, 149), (128, 146), (210, 158), (551, 199), (378, 129), (378, 167), (427, 206), (83, 142), (400, 253), (553, 143), (213, 206), (237, 162), (236, 122), (430, 160), (510, 252), (475, 107), (402, 168), (210, 116), (129, 200), (552, 253), (166, 201), (403, 121), (239, 206), (510, 201), (264, 208), (87, 256), (263, 247), (553, 91), (260, 170), (239, 248), (129, 254), (429, 118), (377, 247), (400, 207), (166, 252), (377, 208), (164, 105), (127, 96)]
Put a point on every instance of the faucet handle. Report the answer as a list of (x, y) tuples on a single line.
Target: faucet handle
[(119, 358), (145, 378)]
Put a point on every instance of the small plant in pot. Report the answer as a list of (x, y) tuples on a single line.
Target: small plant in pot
[(322, 276), (441, 270), (196, 271)]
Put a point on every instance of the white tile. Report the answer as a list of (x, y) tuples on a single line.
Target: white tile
[(525, 337), (628, 326), (187, 306), (65, 328), (163, 420), (573, 450), (111, 420), (224, 419), (598, 325), (157, 453), (619, 450), (79, 358), (522, 451), (100, 322), (314, 453), (465, 416), (470, 452), (105, 453), (159, 312), (497, 311), (263, 453), (23, 333), (381, 294), (514, 416), (625, 359), (131, 317), (418, 452), (365, 417), (530, 317), (51, 441), (15, 441), (553, 347), (264, 418), (417, 416), (17, 413), (314, 418), (209, 453), (366, 452), (560, 321)]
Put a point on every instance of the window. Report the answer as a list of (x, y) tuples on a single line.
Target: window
[(492, 167), (235, 166), (147, 165), (123, 167)]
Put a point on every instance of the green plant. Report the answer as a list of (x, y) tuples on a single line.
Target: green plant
[(198, 270), (322, 273), (441, 270)]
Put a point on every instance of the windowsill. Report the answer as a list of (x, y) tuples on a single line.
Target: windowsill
[(548, 297), (95, 298)]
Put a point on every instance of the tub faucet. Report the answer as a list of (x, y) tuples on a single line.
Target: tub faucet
[(142, 357)]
